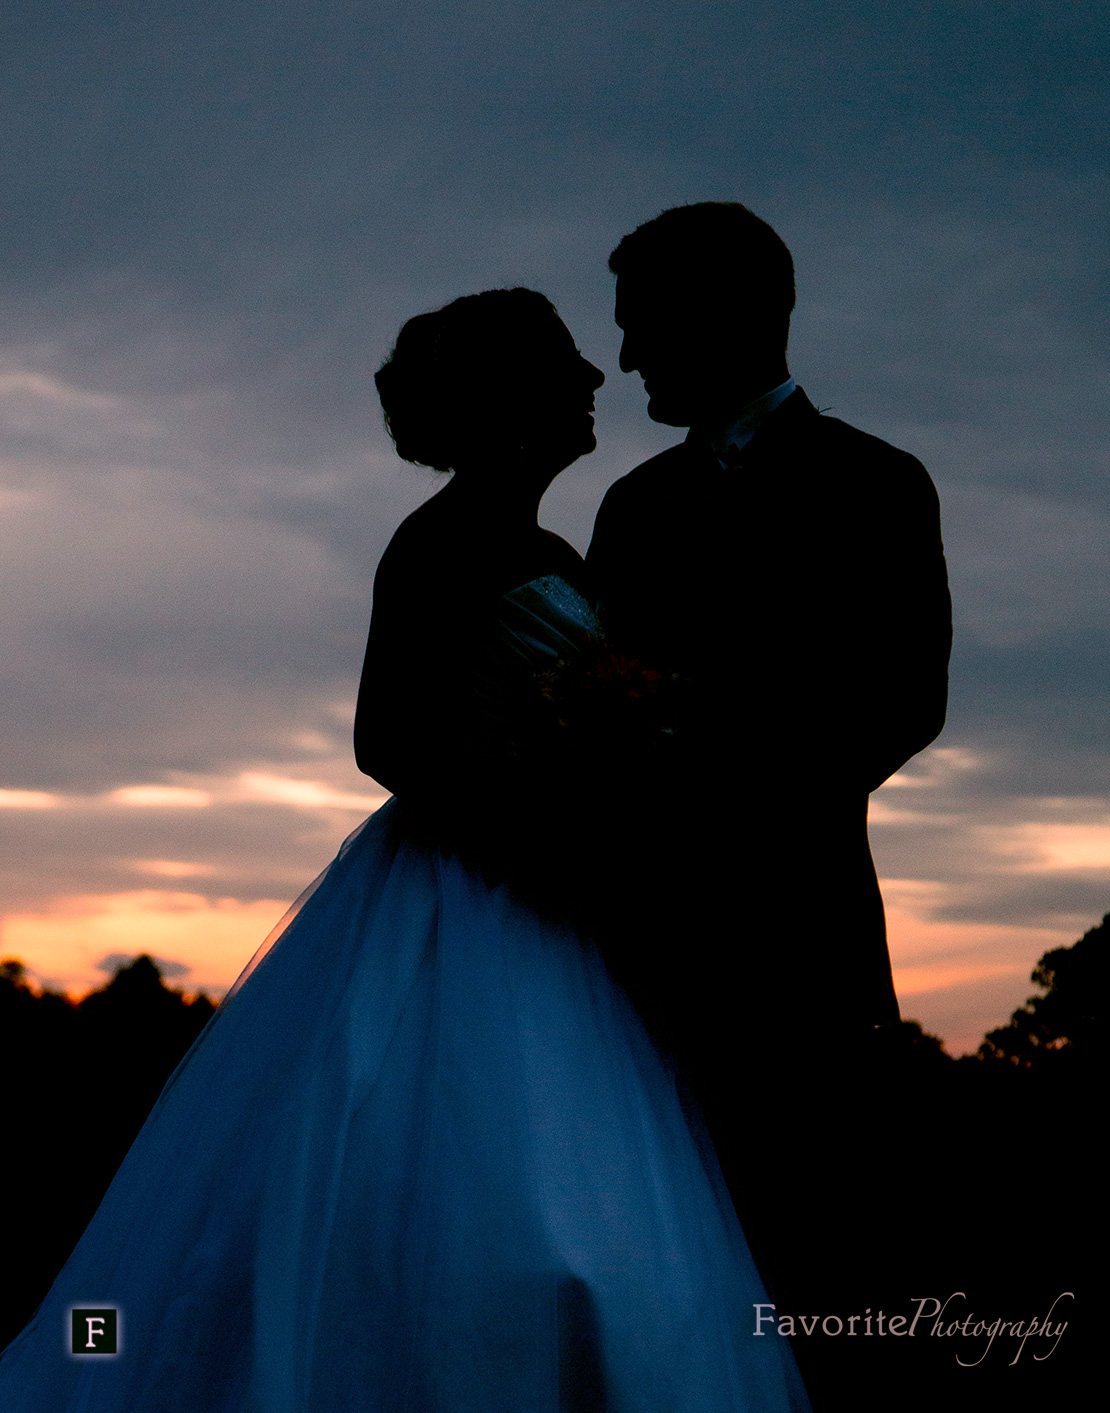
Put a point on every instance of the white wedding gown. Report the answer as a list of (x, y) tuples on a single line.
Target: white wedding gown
[(423, 1159)]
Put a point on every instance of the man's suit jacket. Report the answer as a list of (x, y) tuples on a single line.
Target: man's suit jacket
[(802, 598)]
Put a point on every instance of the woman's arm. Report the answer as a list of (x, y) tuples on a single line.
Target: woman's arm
[(410, 725)]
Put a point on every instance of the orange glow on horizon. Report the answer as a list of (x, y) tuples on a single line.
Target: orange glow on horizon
[(62, 946), (961, 979)]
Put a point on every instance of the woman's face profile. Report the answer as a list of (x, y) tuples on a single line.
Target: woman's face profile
[(552, 403)]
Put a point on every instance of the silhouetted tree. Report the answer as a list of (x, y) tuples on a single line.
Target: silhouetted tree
[(37, 1038), (140, 1025), (911, 1045), (1062, 1030), (13, 978), (79, 1080)]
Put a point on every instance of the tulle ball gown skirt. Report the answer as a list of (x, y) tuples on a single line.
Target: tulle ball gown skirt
[(423, 1159)]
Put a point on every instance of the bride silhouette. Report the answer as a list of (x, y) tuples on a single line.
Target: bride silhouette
[(424, 1158)]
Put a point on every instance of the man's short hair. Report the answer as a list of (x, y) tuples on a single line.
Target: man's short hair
[(720, 244)]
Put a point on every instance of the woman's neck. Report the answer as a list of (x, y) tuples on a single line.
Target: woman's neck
[(508, 496)]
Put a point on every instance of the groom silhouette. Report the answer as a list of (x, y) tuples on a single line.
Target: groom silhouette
[(788, 570)]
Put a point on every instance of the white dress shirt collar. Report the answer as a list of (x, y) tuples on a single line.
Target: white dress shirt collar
[(728, 441)]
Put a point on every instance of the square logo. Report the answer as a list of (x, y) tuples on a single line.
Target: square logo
[(93, 1331)]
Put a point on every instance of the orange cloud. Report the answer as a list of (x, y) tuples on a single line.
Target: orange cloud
[(1046, 846), (161, 797), (960, 979), (173, 868), (28, 800), (61, 946)]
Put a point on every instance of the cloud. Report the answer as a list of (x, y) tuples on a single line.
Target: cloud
[(1052, 846), (260, 831), (115, 960), (980, 879), (173, 868), (160, 797), (40, 391), (248, 786), (28, 800), (63, 946)]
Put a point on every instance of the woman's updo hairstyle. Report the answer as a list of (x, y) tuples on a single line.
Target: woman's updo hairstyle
[(447, 389)]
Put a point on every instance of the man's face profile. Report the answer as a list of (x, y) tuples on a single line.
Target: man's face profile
[(658, 344), (691, 348)]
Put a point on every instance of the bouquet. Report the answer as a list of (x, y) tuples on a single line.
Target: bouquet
[(608, 700)]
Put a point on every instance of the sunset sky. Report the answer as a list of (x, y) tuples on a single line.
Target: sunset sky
[(218, 215)]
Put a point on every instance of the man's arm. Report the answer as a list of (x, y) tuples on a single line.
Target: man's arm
[(910, 625)]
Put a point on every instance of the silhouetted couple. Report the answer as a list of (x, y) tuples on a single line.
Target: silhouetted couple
[(452, 1141), (773, 604)]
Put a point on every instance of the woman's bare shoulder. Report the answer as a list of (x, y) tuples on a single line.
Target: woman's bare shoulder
[(425, 549)]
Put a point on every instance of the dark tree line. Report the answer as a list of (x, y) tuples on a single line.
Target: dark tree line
[(78, 1081), (984, 1170), (989, 1179)]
